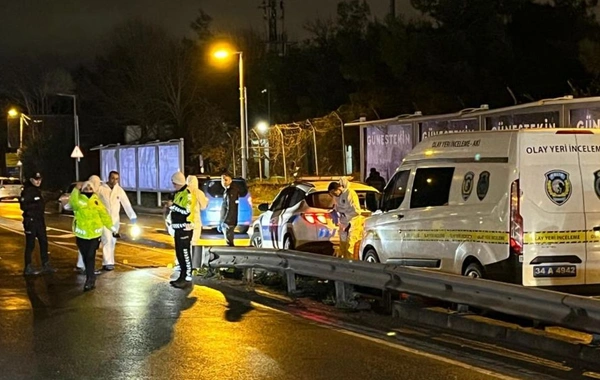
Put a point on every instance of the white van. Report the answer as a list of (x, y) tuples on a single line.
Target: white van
[(518, 206)]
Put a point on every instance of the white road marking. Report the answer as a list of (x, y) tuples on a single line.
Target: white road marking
[(389, 344)]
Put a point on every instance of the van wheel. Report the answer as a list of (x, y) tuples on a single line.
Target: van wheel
[(288, 242), (256, 240), (371, 256), (473, 270)]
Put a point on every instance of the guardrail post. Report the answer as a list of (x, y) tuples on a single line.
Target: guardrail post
[(343, 295), (249, 276), (290, 279)]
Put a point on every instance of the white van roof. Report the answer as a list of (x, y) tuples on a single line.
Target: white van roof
[(482, 146)]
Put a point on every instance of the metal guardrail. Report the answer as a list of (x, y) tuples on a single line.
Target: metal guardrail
[(562, 309)]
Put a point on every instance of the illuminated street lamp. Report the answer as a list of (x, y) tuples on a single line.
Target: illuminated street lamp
[(23, 119), (221, 54)]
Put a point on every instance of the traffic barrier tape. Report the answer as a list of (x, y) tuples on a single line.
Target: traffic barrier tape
[(500, 237)]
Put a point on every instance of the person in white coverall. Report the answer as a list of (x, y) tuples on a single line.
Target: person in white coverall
[(201, 204), (112, 196), (347, 207)]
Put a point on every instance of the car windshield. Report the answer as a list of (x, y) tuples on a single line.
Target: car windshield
[(214, 188), (11, 182), (322, 199)]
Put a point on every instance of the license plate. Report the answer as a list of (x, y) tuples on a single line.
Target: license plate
[(555, 271)]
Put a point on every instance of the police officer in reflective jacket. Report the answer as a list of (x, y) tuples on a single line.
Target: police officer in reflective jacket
[(34, 224)]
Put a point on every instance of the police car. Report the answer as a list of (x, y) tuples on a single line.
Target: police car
[(300, 216), (519, 206)]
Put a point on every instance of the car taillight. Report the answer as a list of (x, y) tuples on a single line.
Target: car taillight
[(314, 218), (516, 221)]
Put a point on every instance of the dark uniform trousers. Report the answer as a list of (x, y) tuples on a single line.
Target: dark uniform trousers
[(35, 229)]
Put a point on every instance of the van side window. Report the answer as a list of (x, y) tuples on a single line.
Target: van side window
[(431, 187), (395, 191)]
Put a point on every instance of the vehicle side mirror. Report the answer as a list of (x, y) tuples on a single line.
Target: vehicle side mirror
[(263, 207)]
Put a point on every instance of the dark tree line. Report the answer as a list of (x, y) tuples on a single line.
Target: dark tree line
[(460, 53)]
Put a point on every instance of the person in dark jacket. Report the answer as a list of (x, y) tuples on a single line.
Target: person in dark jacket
[(229, 210), (376, 180), (32, 204)]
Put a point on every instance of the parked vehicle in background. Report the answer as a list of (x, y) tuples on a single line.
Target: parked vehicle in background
[(300, 217), (63, 200), (212, 188), (519, 206), (10, 188)]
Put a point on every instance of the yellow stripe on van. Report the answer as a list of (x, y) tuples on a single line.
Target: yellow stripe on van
[(558, 237), (493, 237)]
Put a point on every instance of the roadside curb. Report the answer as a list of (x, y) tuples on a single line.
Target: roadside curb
[(504, 332)]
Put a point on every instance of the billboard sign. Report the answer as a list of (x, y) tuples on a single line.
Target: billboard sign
[(386, 146), (441, 127), (550, 119)]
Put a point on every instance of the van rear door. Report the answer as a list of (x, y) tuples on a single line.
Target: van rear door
[(588, 147), (552, 208)]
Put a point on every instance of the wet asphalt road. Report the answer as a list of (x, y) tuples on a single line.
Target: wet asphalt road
[(135, 326)]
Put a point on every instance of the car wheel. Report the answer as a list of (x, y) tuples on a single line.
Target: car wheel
[(371, 256), (474, 270), (288, 242), (243, 229), (256, 240)]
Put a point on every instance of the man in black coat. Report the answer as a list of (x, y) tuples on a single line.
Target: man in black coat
[(32, 204), (229, 210)]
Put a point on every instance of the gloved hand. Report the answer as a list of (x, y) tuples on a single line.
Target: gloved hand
[(219, 228), (335, 218), (133, 220)]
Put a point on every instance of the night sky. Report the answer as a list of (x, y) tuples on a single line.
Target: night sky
[(72, 29)]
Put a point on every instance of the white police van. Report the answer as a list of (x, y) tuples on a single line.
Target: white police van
[(519, 206)]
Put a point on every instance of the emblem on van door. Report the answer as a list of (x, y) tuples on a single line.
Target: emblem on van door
[(558, 186), (483, 184), (597, 183), (467, 185)]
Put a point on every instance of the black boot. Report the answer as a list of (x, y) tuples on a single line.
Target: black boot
[(90, 284), (30, 271), (47, 268), (181, 283)]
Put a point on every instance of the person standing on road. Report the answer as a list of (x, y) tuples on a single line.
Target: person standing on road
[(347, 205), (90, 219), (32, 204), (201, 204), (113, 197), (376, 180), (229, 210), (182, 211)]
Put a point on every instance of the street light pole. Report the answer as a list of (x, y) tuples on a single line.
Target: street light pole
[(243, 116), (282, 152), (314, 145), (76, 127), (260, 175)]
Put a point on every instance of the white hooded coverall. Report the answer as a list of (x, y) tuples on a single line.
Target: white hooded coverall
[(351, 222)]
